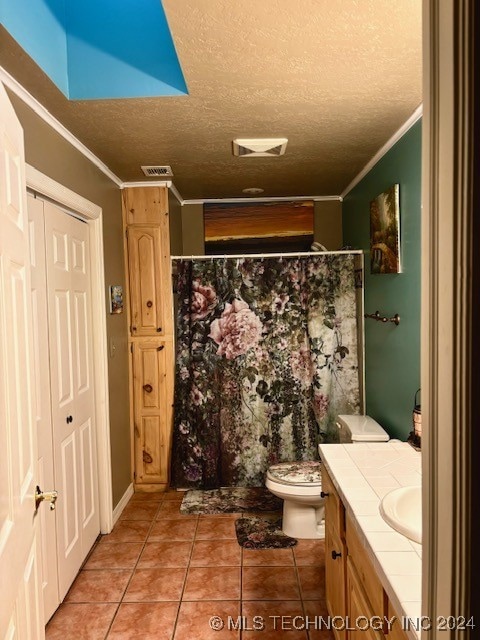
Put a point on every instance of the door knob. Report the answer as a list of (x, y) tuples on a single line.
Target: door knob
[(47, 496)]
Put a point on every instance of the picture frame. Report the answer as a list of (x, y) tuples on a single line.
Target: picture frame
[(385, 232), (116, 298)]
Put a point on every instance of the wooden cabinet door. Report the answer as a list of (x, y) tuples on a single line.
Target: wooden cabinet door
[(153, 398), (359, 611), (145, 205), (145, 264), (335, 553)]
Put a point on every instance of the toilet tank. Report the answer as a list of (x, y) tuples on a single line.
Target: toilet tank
[(360, 429)]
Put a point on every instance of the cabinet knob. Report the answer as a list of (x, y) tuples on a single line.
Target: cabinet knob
[(148, 388), (324, 494), (149, 304), (69, 419), (336, 555), (159, 329)]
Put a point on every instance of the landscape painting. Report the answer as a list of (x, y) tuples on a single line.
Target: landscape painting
[(385, 232), (258, 227)]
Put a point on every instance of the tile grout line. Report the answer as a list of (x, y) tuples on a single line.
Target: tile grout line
[(185, 579), (135, 565)]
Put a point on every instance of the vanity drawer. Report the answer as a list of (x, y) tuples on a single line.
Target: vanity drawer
[(334, 509), (364, 570)]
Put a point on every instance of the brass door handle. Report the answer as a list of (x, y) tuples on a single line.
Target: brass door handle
[(148, 388), (45, 496)]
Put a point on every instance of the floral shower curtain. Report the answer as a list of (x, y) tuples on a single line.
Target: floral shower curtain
[(266, 360)]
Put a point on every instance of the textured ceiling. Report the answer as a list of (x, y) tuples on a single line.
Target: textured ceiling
[(336, 77)]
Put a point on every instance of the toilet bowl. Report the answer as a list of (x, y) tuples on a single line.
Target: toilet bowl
[(299, 484)]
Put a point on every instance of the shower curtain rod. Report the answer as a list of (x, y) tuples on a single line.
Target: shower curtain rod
[(272, 255)]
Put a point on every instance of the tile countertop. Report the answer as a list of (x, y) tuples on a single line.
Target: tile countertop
[(362, 474)]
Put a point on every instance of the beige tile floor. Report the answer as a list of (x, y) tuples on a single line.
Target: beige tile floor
[(162, 576)]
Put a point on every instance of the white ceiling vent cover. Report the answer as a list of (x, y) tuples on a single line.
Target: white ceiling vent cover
[(259, 147), (155, 171)]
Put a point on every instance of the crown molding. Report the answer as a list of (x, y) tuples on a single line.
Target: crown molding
[(265, 199), (149, 183), (416, 115), (177, 194), (20, 91)]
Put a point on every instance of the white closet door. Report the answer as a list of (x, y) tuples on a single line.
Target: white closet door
[(71, 365), (21, 615), (43, 414)]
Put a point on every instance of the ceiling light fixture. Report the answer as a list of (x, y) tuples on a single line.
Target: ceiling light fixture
[(252, 191), (259, 147)]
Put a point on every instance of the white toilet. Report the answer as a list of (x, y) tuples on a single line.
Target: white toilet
[(299, 484)]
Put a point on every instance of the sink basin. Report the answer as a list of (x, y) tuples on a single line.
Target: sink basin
[(402, 510)]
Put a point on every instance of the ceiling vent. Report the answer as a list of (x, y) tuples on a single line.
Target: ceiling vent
[(157, 171), (259, 147)]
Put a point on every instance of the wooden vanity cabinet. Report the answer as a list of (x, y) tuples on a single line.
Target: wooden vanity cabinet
[(353, 589), (150, 318), (335, 553)]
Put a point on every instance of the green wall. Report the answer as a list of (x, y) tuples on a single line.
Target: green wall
[(392, 354)]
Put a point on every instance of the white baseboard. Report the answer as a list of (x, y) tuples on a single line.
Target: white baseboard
[(117, 512)]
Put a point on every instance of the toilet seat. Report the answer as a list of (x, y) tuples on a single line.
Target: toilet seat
[(304, 473)]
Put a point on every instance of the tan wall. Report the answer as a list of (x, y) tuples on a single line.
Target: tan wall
[(54, 156), (328, 224), (192, 230), (175, 217)]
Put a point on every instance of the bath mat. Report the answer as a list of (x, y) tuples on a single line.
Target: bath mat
[(262, 533), (229, 500)]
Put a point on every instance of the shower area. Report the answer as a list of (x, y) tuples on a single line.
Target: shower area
[(269, 350)]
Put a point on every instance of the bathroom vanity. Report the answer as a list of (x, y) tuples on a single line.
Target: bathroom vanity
[(373, 573)]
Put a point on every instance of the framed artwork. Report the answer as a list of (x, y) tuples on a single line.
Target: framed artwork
[(258, 227), (116, 298), (385, 232)]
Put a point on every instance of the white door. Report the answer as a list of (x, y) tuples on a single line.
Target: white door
[(21, 614), (43, 415), (72, 395)]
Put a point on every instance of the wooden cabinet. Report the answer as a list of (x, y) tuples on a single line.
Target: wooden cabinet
[(359, 610), (150, 309), (353, 589)]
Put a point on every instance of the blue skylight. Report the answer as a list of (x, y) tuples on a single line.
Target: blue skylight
[(98, 49)]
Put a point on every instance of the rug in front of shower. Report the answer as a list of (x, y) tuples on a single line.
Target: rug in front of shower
[(229, 500), (262, 533)]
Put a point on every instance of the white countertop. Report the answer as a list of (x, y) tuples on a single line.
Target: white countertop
[(362, 474)]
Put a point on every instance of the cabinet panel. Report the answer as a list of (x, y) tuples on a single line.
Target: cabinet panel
[(396, 632), (153, 398), (334, 509), (335, 576), (359, 610), (144, 264), (365, 571), (145, 205)]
